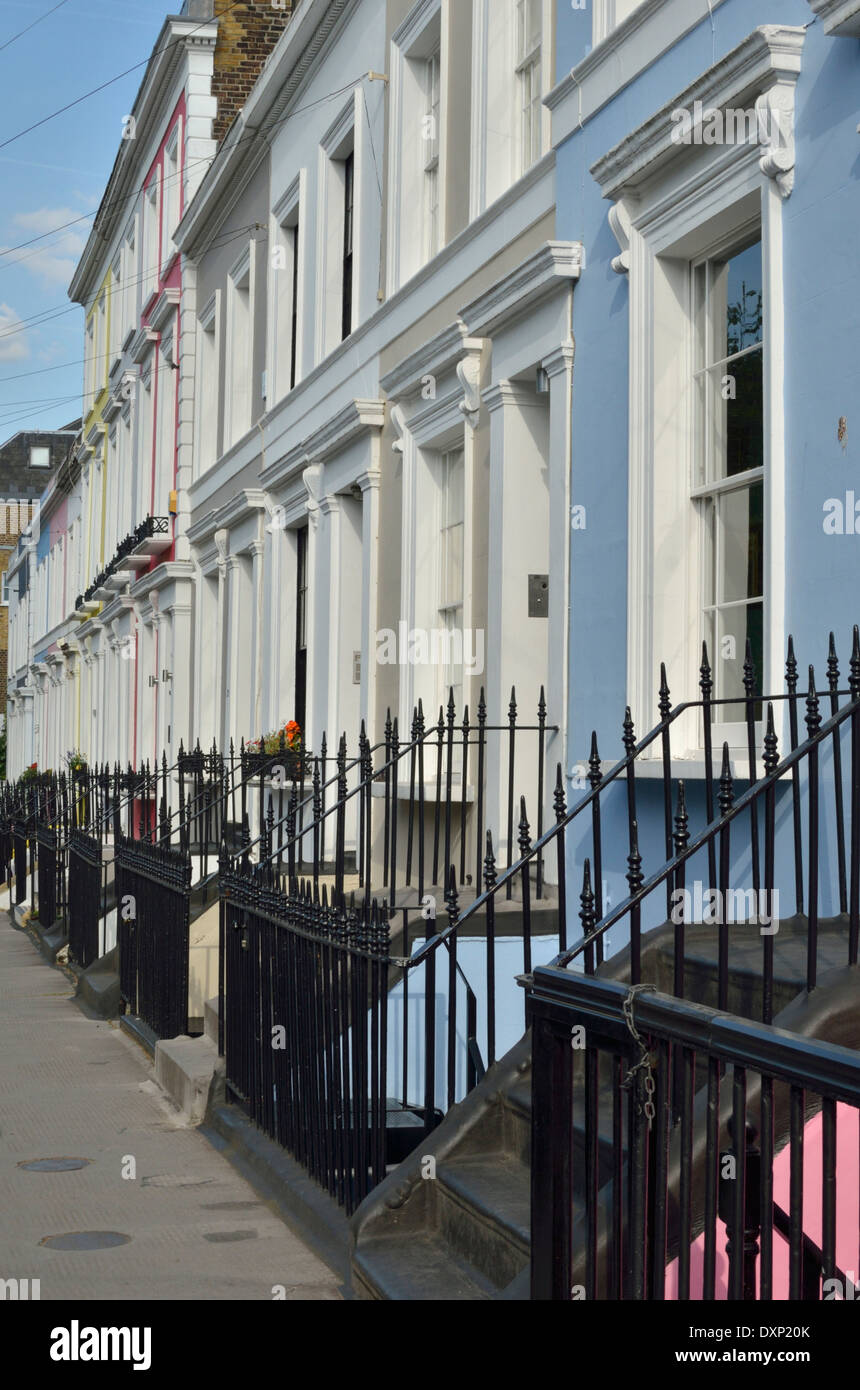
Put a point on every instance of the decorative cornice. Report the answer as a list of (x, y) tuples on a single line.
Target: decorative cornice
[(768, 57), (139, 346), (503, 393), (433, 358), (242, 505), (840, 17), (553, 267), (163, 307), (355, 419)]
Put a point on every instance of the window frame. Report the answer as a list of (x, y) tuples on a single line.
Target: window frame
[(289, 224), (208, 378), (709, 487), (423, 33), (171, 195), (240, 281), (662, 251), (343, 138)]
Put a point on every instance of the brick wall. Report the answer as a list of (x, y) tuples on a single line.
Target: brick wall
[(247, 33)]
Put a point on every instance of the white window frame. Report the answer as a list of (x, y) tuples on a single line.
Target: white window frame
[(608, 15), (42, 448), (208, 391), (171, 194), (432, 430), (165, 458), (143, 453), (343, 137), (707, 488), (423, 32), (131, 272), (445, 610), (238, 350), (665, 233), (117, 291), (289, 213), (150, 254), (432, 200), (496, 157), (529, 65)]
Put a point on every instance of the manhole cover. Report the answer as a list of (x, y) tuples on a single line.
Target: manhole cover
[(53, 1165), (217, 1237), (85, 1240)]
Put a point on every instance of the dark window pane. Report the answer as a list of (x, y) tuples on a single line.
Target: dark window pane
[(744, 307), (744, 416)]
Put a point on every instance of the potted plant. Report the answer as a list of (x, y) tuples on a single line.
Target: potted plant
[(281, 748), (77, 764)]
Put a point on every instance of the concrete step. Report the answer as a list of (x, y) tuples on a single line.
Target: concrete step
[(482, 1205), (434, 1274), (184, 1067), (98, 986)]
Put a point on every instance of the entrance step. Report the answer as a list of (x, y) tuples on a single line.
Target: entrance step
[(184, 1068), (98, 986)]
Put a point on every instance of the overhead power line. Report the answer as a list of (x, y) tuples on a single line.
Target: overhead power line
[(26, 30), (61, 110)]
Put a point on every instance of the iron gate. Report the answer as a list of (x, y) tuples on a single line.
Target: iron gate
[(49, 870), (19, 849), (153, 917), (85, 898)]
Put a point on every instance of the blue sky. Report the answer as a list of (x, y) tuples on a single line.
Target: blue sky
[(53, 175)]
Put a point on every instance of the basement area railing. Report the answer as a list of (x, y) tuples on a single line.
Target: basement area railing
[(677, 1152)]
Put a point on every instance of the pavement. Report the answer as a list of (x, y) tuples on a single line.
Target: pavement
[(75, 1088)]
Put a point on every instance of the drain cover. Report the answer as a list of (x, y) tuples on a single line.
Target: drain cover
[(85, 1240), (53, 1165)]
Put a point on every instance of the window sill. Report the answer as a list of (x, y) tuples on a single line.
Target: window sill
[(692, 769)]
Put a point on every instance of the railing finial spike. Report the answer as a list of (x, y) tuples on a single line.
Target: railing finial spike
[(771, 753), (726, 796)]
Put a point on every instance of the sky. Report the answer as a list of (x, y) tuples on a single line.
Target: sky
[(53, 175)]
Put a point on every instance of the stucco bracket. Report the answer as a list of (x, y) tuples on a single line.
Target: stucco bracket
[(469, 376), (619, 222), (775, 114)]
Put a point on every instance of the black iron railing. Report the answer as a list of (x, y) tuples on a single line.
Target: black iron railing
[(153, 887), (87, 898), (623, 1183), (306, 1040), (19, 849), (398, 814), (50, 875)]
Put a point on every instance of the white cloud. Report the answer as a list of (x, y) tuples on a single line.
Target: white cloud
[(54, 261), (13, 346)]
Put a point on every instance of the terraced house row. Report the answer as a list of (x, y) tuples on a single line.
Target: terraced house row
[(448, 604)]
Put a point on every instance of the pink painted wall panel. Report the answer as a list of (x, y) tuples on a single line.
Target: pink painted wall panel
[(847, 1209)]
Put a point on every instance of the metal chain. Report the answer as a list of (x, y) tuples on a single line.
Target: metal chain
[(643, 1066)]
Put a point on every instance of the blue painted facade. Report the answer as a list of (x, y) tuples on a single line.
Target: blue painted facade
[(821, 301)]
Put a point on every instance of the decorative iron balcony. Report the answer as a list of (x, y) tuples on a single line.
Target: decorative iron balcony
[(151, 537)]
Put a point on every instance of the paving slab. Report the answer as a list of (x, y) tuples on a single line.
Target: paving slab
[(72, 1087)]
